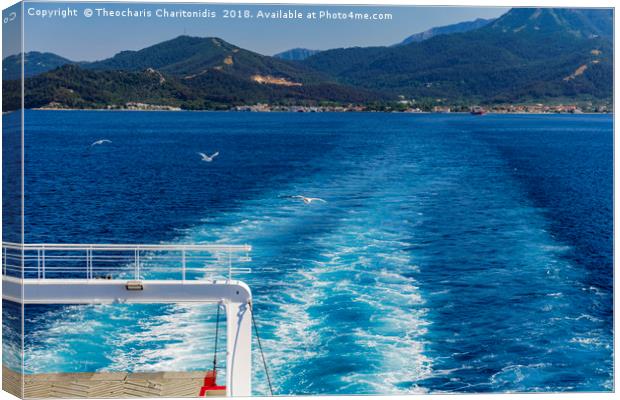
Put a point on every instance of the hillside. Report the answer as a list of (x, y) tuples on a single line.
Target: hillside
[(299, 54), (577, 23), (186, 72), (187, 56), (526, 54), (71, 86)]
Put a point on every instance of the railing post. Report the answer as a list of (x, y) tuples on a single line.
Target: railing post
[(89, 263), (183, 264), (229, 265), (43, 260), (137, 266), (4, 261), (38, 263)]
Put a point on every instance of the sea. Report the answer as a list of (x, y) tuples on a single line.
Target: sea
[(452, 253)]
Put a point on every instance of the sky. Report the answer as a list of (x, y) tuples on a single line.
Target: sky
[(97, 37)]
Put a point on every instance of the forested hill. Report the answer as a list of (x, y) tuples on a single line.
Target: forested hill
[(190, 56), (186, 72), (527, 54), (71, 86)]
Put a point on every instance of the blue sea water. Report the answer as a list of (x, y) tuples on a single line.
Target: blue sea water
[(454, 253)]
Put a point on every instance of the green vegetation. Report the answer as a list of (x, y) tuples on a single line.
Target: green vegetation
[(73, 87), (525, 56), (189, 56)]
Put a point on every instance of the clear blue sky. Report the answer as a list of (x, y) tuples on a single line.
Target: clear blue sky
[(86, 39)]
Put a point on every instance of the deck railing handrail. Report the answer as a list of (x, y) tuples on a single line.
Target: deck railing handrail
[(35, 258), (243, 248)]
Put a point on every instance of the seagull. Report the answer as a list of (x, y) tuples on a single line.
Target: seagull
[(102, 141), (308, 200), (210, 158)]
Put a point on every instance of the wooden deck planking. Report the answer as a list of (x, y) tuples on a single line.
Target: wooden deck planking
[(105, 384)]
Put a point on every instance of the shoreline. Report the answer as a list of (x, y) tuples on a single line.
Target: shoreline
[(314, 112)]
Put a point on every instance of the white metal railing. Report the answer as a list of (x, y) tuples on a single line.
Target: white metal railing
[(122, 261)]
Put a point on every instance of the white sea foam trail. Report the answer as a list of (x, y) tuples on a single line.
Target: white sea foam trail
[(343, 312), (125, 337), (434, 264), (334, 283)]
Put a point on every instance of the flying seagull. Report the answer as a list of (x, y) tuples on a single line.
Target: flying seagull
[(102, 141), (210, 158), (308, 200)]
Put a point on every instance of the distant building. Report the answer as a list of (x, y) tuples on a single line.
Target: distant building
[(441, 109)]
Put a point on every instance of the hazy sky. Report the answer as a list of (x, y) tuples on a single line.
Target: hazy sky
[(85, 39)]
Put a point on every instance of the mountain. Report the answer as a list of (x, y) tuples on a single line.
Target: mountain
[(187, 56), (526, 54), (34, 64), (186, 72), (182, 56), (446, 30), (299, 54), (576, 22), (72, 86), (296, 54)]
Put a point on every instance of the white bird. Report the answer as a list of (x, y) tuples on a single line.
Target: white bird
[(210, 158), (102, 141), (308, 200)]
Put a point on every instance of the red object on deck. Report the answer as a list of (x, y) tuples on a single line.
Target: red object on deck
[(210, 384)]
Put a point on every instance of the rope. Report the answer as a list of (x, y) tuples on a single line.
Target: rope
[(217, 333), (260, 347)]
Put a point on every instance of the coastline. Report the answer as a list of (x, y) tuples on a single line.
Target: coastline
[(314, 112)]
